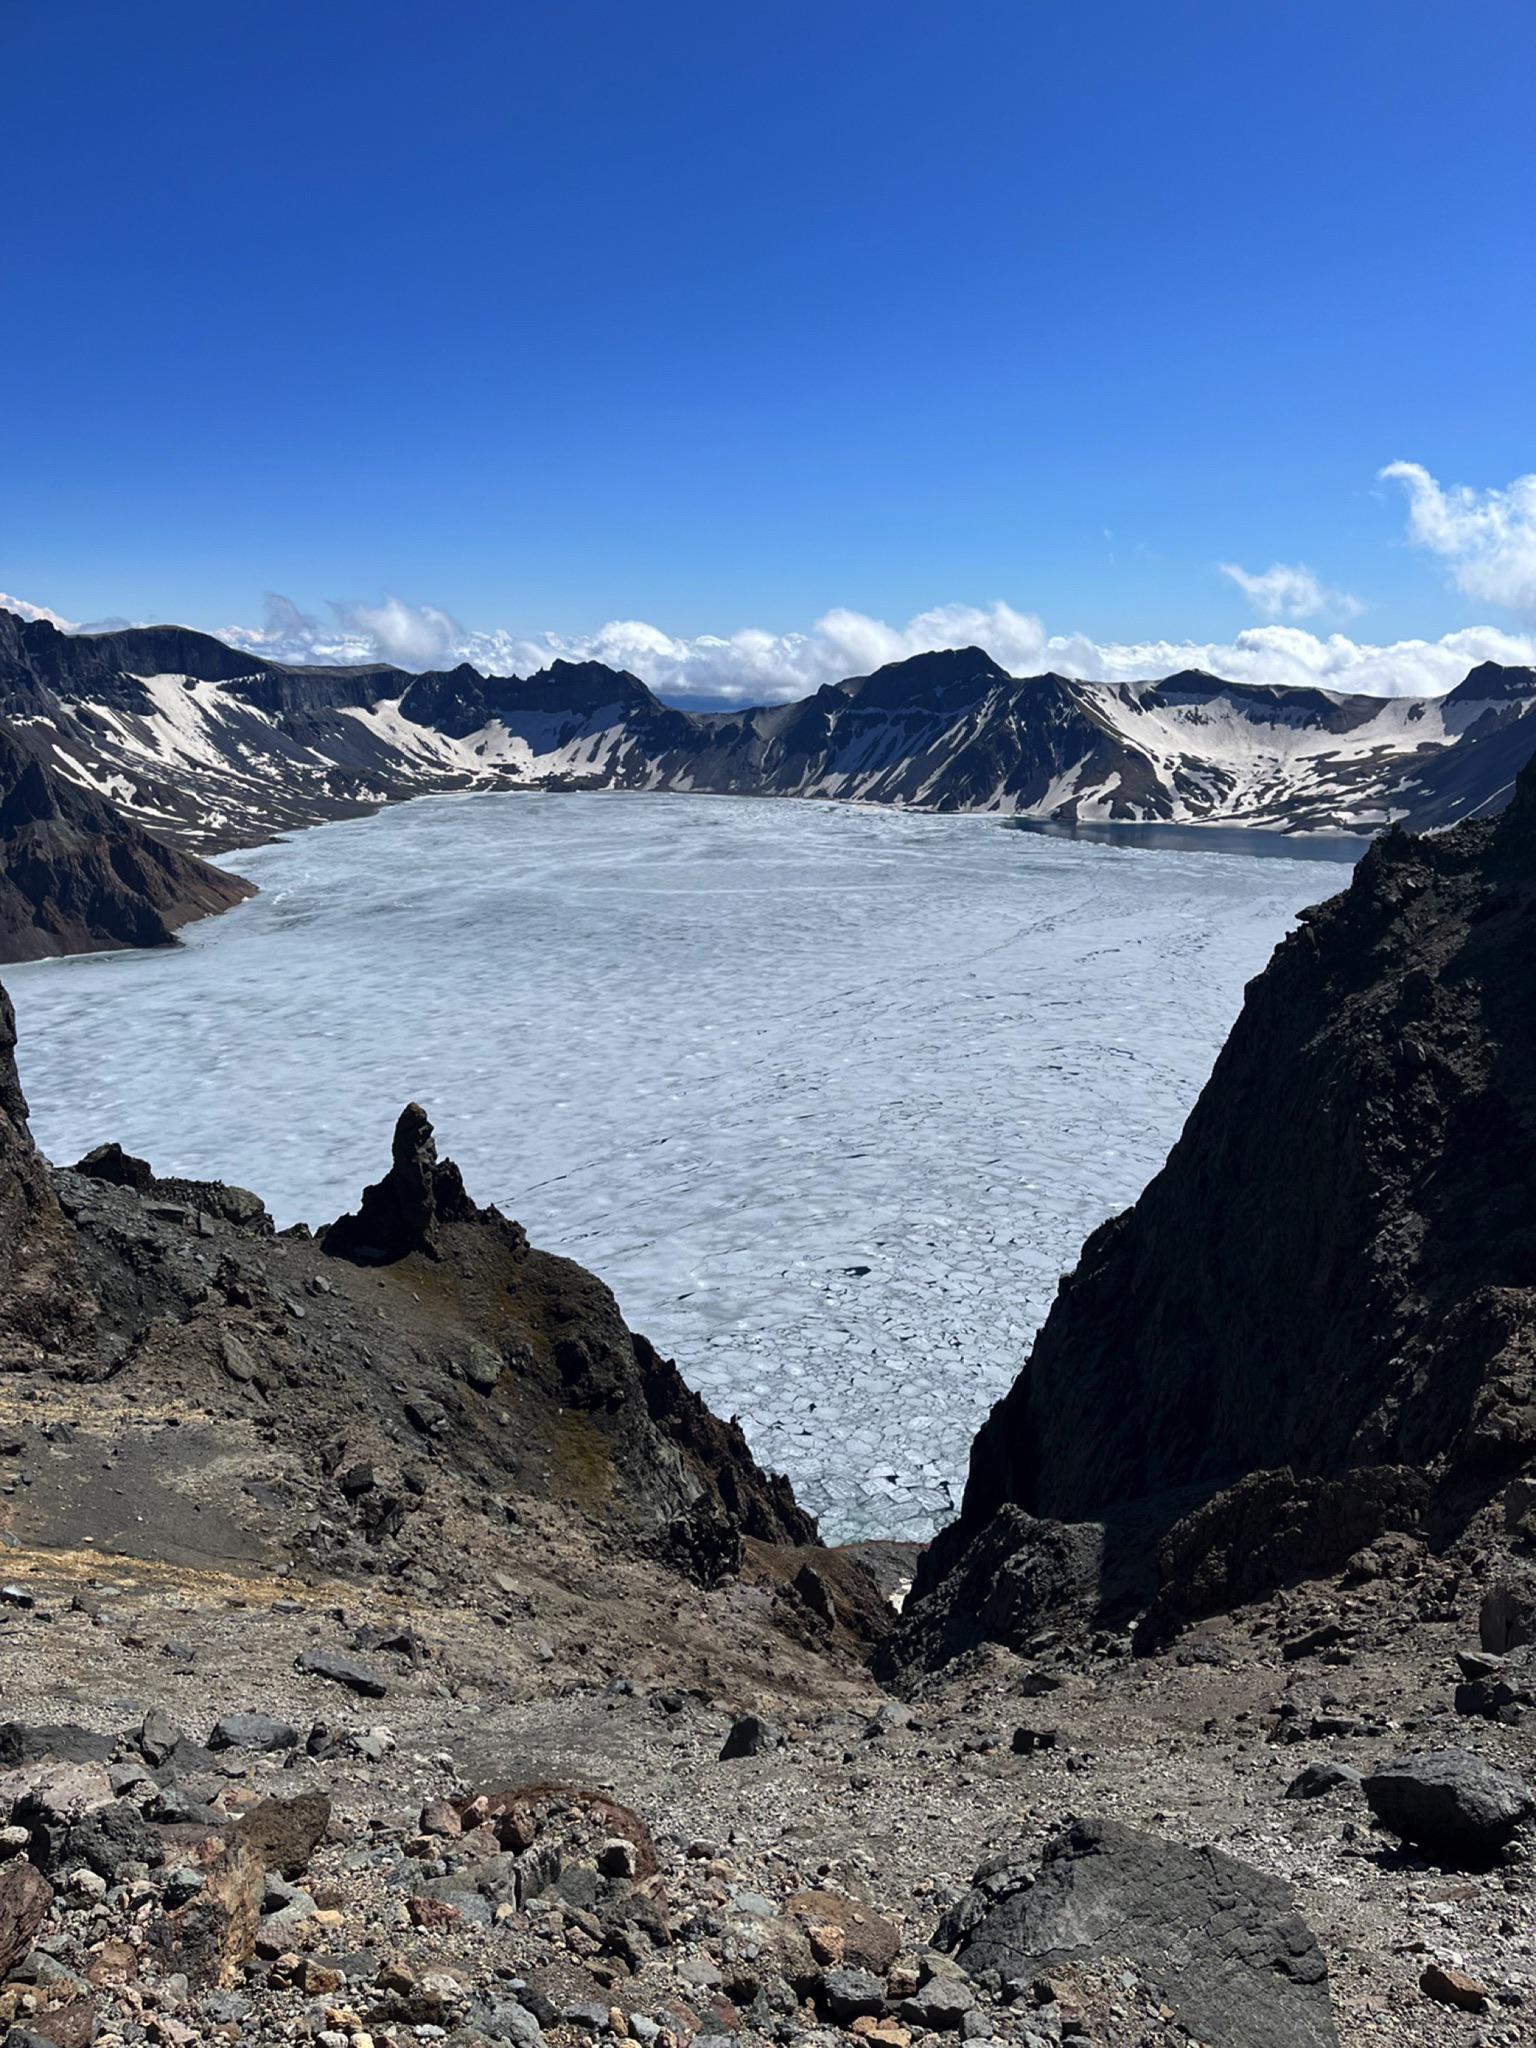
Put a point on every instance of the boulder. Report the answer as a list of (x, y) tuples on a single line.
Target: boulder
[(868, 1941), (25, 1896), (1450, 1802), (1499, 1688), (211, 1937), (106, 1839), (750, 1735), (1222, 1943), (1507, 1619), (252, 1731), (1315, 1780), (54, 1798), (158, 1737), (25, 1742), (847, 1995), (341, 1671), (284, 1833), (942, 2003)]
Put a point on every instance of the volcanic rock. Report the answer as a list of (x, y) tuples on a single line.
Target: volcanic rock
[(1507, 1618), (1222, 1942), (1449, 1802), (750, 1735), (25, 1896), (402, 1213)]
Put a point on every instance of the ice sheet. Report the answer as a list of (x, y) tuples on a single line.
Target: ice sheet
[(829, 1096)]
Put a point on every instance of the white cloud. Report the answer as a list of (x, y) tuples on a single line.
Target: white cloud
[(1290, 590), (411, 636), (751, 665), (1291, 656), (33, 612), (1488, 538), (742, 666)]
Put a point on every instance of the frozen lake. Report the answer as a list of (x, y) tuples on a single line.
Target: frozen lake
[(829, 1096)]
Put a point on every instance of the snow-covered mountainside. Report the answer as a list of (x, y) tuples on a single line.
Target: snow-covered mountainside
[(214, 748)]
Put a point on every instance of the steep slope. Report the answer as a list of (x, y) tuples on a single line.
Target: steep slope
[(75, 875), (1335, 1272), (1489, 716), (216, 748), (409, 1393)]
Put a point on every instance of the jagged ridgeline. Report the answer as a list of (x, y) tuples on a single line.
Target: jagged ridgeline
[(1318, 1323), (214, 748)]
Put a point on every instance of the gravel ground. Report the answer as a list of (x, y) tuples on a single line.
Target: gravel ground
[(889, 1804)]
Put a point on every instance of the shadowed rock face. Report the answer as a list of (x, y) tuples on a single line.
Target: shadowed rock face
[(13, 1104), (1336, 1268), (45, 1303), (77, 876)]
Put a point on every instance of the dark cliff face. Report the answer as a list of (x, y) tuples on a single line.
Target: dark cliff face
[(1335, 1271), (91, 663), (45, 1306), (77, 876)]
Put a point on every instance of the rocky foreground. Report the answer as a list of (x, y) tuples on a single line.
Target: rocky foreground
[(293, 1808), (394, 1649)]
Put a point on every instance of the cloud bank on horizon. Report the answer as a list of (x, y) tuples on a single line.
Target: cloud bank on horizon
[(1486, 539)]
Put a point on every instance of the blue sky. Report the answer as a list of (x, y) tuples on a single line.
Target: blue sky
[(720, 318)]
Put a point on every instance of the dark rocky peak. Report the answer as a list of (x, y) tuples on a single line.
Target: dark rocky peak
[(945, 678), (454, 701), (1269, 703), (405, 1211), (1193, 682), (77, 876), (45, 1305), (583, 686), (309, 692), (1492, 682), (1516, 830)]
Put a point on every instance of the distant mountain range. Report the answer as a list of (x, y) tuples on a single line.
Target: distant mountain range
[(213, 748)]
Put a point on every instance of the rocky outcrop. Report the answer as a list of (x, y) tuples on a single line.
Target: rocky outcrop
[(418, 1363), (1334, 1273), (404, 1211), (77, 876)]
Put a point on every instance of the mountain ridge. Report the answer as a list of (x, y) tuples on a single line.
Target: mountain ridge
[(213, 748)]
